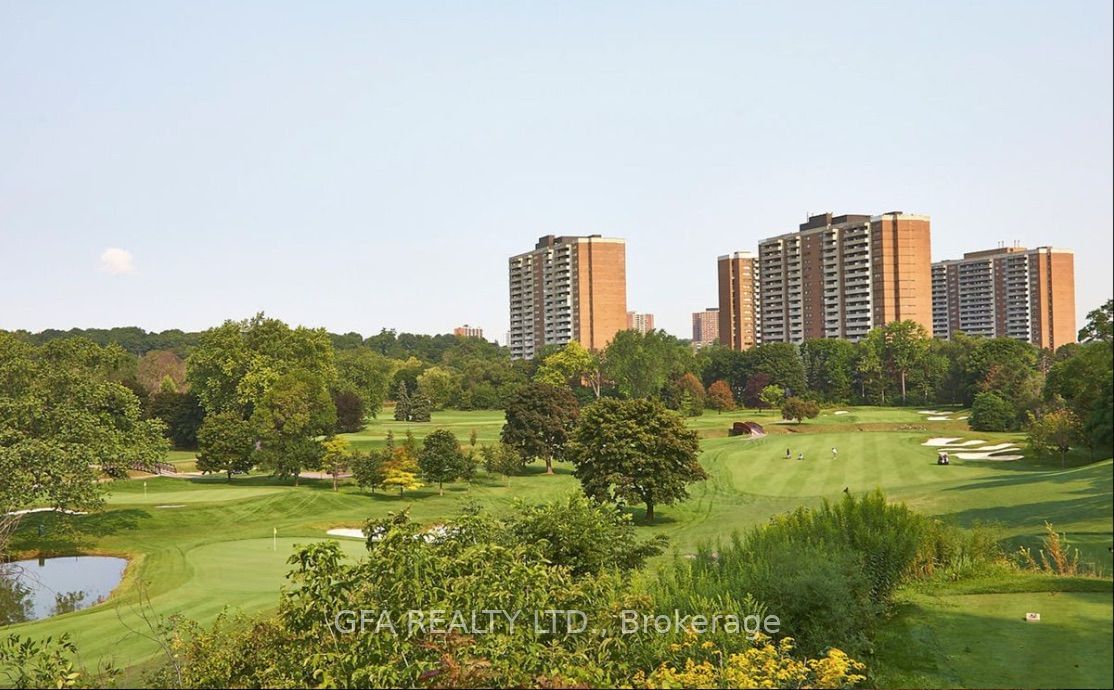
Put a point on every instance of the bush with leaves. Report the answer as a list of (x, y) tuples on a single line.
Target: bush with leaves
[(799, 409)]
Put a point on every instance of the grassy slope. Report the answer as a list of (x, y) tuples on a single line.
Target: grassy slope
[(216, 549)]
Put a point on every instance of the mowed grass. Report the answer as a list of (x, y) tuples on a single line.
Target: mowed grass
[(983, 640), (199, 544)]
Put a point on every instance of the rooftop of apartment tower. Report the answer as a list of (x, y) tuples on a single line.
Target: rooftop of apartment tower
[(551, 240)]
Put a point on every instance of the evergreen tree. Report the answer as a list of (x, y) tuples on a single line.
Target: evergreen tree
[(402, 403), (420, 407)]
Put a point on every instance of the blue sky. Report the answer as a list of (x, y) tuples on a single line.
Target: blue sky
[(365, 165)]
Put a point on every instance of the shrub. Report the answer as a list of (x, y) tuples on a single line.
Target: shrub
[(991, 412)]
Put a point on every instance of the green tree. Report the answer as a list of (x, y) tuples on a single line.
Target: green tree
[(235, 364), (693, 395), (64, 425), (226, 443), (368, 373), (369, 468), (337, 457), (635, 450), (1099, 425), (439, 385), (584, 536), (500, 458), (906, 343), (1100, 324), (641, 365), (772, 396), (781, 362), (539, 421), (992, 412), (871, 366), (181, 413), (799, 409), (402, 404), (1054, 430), (572, 365), (829, 368), (420, 408), (441, 459)]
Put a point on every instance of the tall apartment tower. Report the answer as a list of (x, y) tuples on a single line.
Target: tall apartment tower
[(1008, 292), (738, 300), (567, 288), (705, 327), (637, 321), (841, 276)]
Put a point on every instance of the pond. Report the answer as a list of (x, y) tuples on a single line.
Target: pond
[(39, 588)]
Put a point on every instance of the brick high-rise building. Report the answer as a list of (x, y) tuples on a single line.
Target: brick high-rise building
[(841, 276), (1008, 292), (738, 300), (567, 288), (468, 331), (705, 327), (643, 323)]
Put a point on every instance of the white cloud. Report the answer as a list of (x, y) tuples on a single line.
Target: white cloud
[(115, 260)]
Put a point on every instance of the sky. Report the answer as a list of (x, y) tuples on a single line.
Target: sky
[(362, 165)]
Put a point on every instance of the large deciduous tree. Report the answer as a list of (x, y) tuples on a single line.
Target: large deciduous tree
[(540, 419), (226, 443), (572, 365), (642, 364), (1100, 324), (63, 423), (635, 451), (368, 373), (236, 363)]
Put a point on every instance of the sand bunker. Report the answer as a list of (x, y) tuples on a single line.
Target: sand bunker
[(987, 456), (941, 441), (936, 418), (347, 532), (983, 452), (841, 412), (927, 412)]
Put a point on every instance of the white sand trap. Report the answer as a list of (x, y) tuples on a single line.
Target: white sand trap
[(841, 412), (1000, 446), (927, 412), (987, 456), (347, 532), (430, 535), (173, 505), (939, 419), (962, 417), (964, 444), (941, 441)]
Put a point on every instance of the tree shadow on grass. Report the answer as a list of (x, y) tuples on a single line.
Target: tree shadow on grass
[(1098, 475), (944, 643), (54, 533)]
